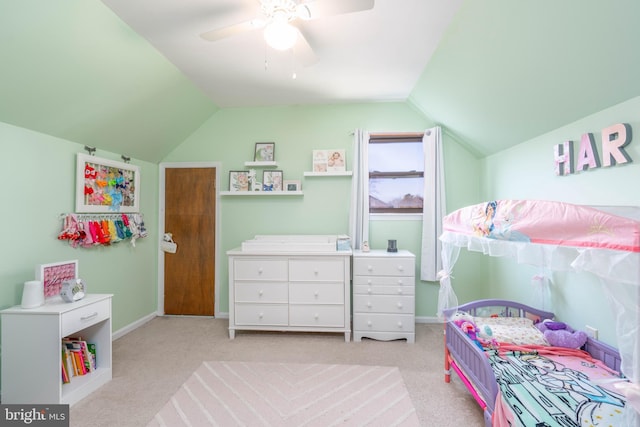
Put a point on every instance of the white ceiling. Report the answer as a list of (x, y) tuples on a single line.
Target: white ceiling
[(373, 55)]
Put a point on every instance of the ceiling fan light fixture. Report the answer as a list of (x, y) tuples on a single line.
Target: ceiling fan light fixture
[(280, 35)]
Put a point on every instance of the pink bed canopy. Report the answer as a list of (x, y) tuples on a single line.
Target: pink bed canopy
[(560, 237)]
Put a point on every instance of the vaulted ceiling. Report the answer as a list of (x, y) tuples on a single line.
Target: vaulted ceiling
[(134, 76)]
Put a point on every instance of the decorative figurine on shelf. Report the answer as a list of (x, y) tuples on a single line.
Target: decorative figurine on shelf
[(365, 246), (72, 290)]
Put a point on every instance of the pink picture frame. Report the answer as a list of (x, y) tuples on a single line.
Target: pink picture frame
[(54, 274)]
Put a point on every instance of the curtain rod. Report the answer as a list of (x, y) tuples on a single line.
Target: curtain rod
[(401, 134)]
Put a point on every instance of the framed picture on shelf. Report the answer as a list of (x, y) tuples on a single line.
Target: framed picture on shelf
[(319, 161), (336, 161), (329, 160), (265, 152), (53, 275), (290, 185), (104, 185), (272, 181), (238, 180)]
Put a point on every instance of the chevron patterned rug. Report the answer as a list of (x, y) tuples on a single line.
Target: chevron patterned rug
[(289, 394)]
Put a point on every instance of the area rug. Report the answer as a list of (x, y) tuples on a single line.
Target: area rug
[(289, 394)]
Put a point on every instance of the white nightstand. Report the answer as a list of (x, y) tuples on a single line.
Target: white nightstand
[(384, 295)]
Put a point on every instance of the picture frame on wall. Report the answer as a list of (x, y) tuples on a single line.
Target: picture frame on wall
[(265, 152), (291, 185), (333, 160), (239, 180), (106, 186), (272, 180)]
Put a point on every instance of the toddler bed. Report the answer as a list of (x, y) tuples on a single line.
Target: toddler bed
[(553, 236), (519, 384)]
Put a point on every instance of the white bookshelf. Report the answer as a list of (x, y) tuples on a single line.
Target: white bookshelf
[(32, 349)]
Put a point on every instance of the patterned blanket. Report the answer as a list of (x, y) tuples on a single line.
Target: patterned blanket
[(554, 387)]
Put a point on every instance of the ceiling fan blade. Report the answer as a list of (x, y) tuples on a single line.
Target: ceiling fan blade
[(232, 30), (322, 8), (303, 52)]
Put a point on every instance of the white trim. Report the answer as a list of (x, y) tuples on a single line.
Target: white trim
[(395, 217), (428, 319), (161, 231), (133, 326)]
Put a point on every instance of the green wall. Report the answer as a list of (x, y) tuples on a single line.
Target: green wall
[(527, 171), (38, 172), (229, 138)]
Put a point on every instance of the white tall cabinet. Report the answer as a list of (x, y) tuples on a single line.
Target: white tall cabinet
[(32, 355), (384, 295), (289, 290)]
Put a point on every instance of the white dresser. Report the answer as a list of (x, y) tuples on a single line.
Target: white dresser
[(384, 295), (31, 349), (289, 291)]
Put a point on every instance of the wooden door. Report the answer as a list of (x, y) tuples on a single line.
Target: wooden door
[(190, 212)]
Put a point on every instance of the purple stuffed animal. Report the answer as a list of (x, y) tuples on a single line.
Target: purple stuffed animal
[(559, 334)]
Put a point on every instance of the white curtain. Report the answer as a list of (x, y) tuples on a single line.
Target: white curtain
[(359, 212), (434, 205)]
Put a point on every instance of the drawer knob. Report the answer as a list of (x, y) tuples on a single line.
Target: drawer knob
[(400, 290), (368, 290), (260, 270), (315, 272), (369, 323), (316, 293), (400, 325), (316, 316), (260, 292), (400, 268), (369, 281), (369, 267), (369, 304), (400, 305), (400, 282), (261, 315)]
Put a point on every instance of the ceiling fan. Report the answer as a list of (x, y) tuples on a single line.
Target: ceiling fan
[(281, 20)]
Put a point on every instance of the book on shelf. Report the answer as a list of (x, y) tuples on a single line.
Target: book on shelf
[(78, 357), (65, 366)]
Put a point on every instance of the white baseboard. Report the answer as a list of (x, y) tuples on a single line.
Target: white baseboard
[(132, 326), (428, 319)]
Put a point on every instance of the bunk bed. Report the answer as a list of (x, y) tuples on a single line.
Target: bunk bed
[(556, 236)]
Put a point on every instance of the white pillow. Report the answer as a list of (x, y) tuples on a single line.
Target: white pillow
[(512, 330)]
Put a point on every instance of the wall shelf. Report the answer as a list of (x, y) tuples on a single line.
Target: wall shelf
[(272, 164), (261, 193), (343, 173)]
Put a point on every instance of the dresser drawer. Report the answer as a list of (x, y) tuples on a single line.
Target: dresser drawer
[(316, 293), (260, 269), (273, 292), (262, 314), (406, 281), (383, 290), (304, 270), (317, 315), (384, 304), (384, 322), (84, 316), (391, 266)]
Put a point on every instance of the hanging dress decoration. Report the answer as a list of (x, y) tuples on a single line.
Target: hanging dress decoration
[(89, 230)]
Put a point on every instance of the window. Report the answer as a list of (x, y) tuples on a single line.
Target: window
[(396, 173)]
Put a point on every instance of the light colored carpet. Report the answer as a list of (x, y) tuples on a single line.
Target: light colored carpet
[(289, 394), (152, 362)]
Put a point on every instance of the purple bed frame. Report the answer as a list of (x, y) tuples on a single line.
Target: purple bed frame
[(471, 364)]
